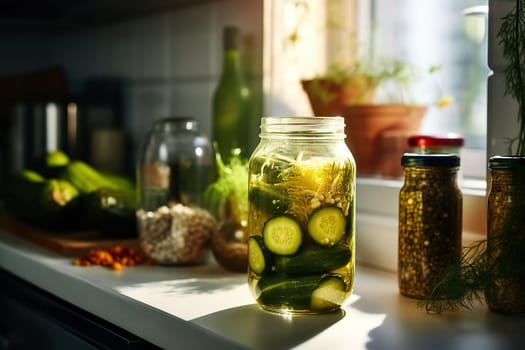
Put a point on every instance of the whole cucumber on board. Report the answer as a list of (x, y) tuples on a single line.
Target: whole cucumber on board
[(48, 203), (107, 200), (51, 164), (107, 211), (86, 178)]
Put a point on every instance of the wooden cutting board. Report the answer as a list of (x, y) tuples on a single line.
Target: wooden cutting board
[(69, 244)]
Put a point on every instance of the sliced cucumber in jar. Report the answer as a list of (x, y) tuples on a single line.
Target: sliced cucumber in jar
[(282, 235), (259, 258), (314, 259), (329, 293), (327, 226)]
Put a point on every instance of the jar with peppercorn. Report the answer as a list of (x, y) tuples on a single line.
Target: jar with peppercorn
[(430, 222), (505, 289)]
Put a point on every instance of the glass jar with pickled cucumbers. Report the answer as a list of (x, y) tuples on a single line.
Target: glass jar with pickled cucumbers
[(301, 215)]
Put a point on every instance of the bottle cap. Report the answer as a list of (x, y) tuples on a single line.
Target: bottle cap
[(231, 38), (435, 141)]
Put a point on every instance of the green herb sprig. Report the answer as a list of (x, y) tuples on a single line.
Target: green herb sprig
[(228, 195), (512, 38), (467, 282)]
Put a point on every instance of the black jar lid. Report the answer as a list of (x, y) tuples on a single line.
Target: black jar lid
[(430, 159), (506, 162)]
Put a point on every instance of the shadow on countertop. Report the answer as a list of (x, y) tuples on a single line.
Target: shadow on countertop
[(284, 331)]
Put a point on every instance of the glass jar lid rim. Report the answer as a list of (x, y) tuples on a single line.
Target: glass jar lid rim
[(430, 159), (176, 123), (299, 125), (175, 119)]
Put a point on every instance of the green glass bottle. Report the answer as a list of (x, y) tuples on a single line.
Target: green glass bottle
[(232, 105)]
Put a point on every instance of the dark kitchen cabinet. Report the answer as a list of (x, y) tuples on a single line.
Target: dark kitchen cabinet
[(59, 14), (31, 318)]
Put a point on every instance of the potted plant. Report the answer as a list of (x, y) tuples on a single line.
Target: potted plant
[(374, 100), (341, 86)]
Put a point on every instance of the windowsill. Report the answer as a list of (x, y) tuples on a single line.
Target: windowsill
[(377, 219)]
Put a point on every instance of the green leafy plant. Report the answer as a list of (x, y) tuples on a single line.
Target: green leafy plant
[(228, 195)]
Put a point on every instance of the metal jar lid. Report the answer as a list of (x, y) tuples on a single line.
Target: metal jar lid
[(507, 162), (430, 159)]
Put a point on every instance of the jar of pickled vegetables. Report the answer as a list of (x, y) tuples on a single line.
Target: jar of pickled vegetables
[(301, 215), (430, 221)]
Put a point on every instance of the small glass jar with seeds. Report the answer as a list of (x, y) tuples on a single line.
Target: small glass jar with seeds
[(174, 167), (505, 290), (430, 218)]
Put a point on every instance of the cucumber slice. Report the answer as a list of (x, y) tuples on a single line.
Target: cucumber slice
[(282, 235), (327, 226), (329, 294), (314, 259), (259, 258)]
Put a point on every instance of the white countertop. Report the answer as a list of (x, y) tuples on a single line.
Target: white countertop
[(204, 307)]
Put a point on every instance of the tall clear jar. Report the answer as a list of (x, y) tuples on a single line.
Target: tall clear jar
[(175, 166), (505, 291), (430, 222), (301, 215)]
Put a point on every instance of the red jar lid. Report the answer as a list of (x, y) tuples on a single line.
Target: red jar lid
[(435, 141)]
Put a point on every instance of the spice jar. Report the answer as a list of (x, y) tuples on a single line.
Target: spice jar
[(301, 215), (430, 219), (175, 165), (505, 292)]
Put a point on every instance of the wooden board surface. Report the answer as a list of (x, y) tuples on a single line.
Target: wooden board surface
[(69, 244)]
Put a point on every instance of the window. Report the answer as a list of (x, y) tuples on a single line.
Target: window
[(451, 34), (307, 35)]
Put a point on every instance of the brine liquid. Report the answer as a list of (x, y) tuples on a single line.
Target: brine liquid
[(296, 188)]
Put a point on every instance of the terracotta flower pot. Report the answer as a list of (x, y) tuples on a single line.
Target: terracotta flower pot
[(328, 98), (367, 127)]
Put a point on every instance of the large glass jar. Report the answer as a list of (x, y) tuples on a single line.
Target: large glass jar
[(301, 215), (175, 166), (505, 292), (430, 222)]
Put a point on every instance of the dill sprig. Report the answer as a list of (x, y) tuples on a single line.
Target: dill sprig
[(497, 260), (462, 284), (512, 38)]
